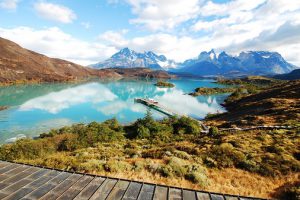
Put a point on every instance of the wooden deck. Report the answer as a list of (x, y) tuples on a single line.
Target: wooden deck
[(19, 181), (164, 110)]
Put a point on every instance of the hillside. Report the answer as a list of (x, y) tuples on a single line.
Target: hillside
[(171, 151), (21, 65), (140, 73), (293, 75), (275, 105)]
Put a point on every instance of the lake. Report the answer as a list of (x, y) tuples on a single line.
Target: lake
[(34, 109)]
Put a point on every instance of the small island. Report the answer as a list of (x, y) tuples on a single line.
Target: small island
[(3, 107), (164, 84), (209, 91)]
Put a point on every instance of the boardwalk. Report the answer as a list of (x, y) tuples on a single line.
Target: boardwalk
[(19, 181), (156, 106)]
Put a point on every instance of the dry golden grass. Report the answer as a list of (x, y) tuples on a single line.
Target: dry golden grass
[(231, 181), (239, 182)]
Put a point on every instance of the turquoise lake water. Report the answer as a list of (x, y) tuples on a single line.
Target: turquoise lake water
[(34, 109)]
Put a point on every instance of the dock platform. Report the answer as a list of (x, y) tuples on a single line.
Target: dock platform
[(19, 181), (156, 106)]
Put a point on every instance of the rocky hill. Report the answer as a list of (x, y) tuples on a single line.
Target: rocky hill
[(18, 64)]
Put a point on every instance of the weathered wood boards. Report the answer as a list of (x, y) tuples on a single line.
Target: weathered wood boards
[(26, 182)]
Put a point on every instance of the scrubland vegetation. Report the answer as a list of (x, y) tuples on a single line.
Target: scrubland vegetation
[(164, 84), (171, 151), (210, 91)]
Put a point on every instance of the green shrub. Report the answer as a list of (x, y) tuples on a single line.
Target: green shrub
[(186, 125), (117, 166), (198, 178), (213, 131), (92, 165), (227, 156)]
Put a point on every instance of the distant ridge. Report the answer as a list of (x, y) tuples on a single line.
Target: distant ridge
[(293, 75)]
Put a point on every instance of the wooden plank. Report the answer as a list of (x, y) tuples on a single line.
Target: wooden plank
[(4, 164), (90, 189), (216, 197), (133, 191), (17, 176), (175, 194), (103, 191), (3, 177), (118, 191), (75, 189), (19, 194), (16, 170), (62, 187), (147, 192), (161, 193), (42, 180), (13, 186), (32, 185), (7, 168), (38, 174), (203, 196), (231, 197), (189, 195), (41, 191)]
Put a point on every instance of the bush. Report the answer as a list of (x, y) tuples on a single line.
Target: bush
[(197, 178), (92, 165), (227, 156), (213, 131), (186, 125), (117, 166)]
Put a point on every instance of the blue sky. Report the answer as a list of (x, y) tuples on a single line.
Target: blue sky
[(90, 31)]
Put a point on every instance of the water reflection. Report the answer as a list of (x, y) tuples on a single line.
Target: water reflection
[(64, 104), (57, 101)]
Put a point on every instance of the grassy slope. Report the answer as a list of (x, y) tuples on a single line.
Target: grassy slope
[(171, 152), (275, 104)]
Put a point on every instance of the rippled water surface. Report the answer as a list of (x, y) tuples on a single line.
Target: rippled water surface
[(34, 109)]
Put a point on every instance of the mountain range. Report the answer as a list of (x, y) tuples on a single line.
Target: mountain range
[(206, 64), (127, 58), (18, 65)]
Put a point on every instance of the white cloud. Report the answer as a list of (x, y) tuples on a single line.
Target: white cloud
[(160, 15), (9, 4), (224, 9), (55, 12), (115, 38), (54, 42), (244, 25)]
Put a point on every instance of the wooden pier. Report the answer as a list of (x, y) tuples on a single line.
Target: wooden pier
[(18, 181), (156, 106)]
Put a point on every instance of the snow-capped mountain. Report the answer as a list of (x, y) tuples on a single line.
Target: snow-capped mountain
[(248, 63), (206, 64), (127, 58)]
